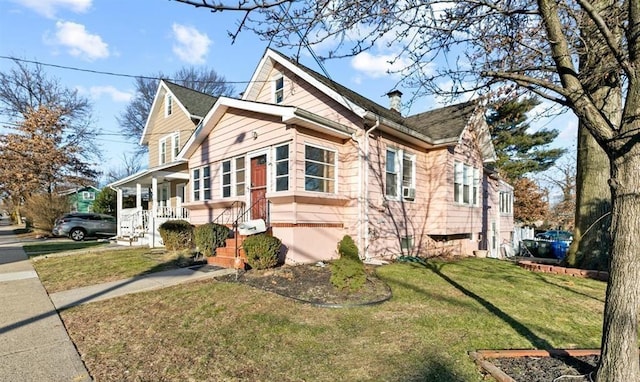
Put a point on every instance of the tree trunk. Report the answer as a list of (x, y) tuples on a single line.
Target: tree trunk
[(619, 361), (590, 247)]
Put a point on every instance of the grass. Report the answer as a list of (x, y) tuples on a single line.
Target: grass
[(55, 246), (78, 270), (217, 331)]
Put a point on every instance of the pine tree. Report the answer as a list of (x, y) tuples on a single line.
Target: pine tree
[(519, 151)]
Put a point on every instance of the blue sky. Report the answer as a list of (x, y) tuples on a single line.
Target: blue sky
[(143, 37)]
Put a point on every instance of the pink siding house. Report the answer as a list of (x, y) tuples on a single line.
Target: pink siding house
[(311, 161)]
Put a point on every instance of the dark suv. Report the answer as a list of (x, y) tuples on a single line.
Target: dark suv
[(78, 225)]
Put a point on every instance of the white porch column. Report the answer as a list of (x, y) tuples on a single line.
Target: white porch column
[(119, 211), (154, 196), (138, 196)]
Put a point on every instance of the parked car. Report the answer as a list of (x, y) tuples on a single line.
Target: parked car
[(555, 235), (79, 225)]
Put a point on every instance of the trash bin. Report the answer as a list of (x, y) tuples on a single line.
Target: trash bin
[(559, 249)]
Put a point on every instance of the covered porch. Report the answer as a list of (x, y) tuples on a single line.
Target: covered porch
[(147, 199)]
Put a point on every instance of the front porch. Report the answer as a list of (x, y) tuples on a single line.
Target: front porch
[(147, 199)]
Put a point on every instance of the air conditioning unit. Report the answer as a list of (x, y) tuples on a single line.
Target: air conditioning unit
[(408, 193)]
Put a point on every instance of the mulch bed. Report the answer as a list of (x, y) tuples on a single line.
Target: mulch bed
[(539, 365), (310, 283)]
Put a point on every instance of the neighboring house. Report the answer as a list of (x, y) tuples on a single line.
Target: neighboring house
[(316, 161), (81, 199)]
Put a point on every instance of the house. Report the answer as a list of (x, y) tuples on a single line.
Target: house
[(313, 161), (81, 199)]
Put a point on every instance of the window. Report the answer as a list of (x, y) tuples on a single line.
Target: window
[(233, 177), (176, 145), (282, 168), (163, 151), (319, 169), (87, 195), (466, 184), (506, 202), (168, 105), (163, 148), (279, 90), (201, 178), (400, 166)]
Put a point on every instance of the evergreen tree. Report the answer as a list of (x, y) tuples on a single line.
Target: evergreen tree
[(520, 151), (105, 202)]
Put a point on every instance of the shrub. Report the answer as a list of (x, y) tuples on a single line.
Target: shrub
[(348, 271), (210, 236), (42, 210), (176, 234), (262, 251)]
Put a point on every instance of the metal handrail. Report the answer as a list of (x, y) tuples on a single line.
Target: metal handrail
[(235, 223), (237, 204)]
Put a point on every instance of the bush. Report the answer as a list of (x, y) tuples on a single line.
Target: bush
[(176, 234), (210, 236), (348, 271), (42, 210), (262, 251)]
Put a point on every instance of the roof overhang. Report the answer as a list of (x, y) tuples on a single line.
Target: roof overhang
[(169, 171), (287, 114)]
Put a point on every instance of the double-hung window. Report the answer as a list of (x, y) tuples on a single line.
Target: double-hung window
[(400, 174), (282, 168), (233, 177), (319, 169), (168, 148), (88, 195), (168, 105), (466, 184), (278, 90), (201, 181)]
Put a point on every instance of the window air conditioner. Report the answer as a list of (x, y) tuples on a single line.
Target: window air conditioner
[(408, 193)]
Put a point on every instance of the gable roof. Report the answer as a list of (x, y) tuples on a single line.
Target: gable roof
[(441, 126), (72, 191), (192, 102), (196, 103)]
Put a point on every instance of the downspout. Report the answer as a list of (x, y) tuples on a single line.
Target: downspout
[(366, 187)]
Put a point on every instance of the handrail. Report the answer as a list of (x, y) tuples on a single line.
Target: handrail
[(238, 204), (235, 223)]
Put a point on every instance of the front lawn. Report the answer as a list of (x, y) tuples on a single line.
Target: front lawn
[(224, 331), (56, 246), (83, 269)]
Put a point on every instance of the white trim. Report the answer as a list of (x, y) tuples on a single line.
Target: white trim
[(274, 88), (168, 104), (275, 166)]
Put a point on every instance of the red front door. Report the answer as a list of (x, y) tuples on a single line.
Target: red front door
[(259, 187)]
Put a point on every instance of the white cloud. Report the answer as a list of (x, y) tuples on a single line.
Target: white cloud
[(49, 8), (191, 46), (79, 42), (115, 94), (378, 66)]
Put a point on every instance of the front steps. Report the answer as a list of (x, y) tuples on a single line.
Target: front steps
[(226, 256)]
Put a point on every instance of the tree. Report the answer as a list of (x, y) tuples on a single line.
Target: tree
[(563, 178), (36, 159), (131, 164), (529, 205), (24, 89), (134, 117), (519, 151), (106, 202), (533, 46)]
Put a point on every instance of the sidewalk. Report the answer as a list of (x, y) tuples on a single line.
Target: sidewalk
[(34, 345)]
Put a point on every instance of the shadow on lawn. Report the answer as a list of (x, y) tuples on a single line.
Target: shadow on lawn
[(435, 369), (536, 341)]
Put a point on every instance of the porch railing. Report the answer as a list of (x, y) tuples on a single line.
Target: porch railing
[(172, 213), (133, 222)]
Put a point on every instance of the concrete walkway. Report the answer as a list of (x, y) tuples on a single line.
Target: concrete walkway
[(34, 344)]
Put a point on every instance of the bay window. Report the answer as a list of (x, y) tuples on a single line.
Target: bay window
[(201, 181), (282, 168)]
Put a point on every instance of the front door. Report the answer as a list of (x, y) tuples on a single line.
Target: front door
[(259, 187)]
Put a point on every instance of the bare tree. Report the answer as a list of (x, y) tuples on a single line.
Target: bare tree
[(532, 45), (134, 117), (25, 88), (131, 163)]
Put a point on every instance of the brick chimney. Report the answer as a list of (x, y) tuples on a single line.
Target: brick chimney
[(395, 100)]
